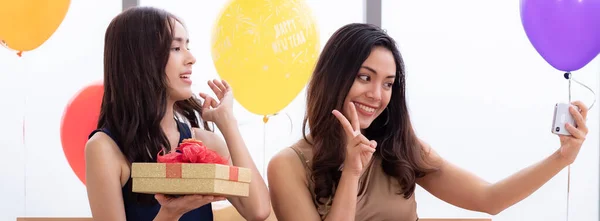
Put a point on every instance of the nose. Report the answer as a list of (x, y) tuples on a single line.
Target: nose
[(190, 59), (374, 93)]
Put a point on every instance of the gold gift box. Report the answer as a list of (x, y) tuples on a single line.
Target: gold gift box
[(190, 178)]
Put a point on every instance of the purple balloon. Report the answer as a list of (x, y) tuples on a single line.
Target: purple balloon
[(566, 33)]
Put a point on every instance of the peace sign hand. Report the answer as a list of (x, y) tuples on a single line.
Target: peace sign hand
[(359, 150)]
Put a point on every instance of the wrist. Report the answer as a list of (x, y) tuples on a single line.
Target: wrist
[(350, 175), (560, 158), (226, 121), (166, 215)]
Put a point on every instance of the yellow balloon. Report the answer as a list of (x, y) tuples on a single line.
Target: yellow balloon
[(27, 24), (266, 50)]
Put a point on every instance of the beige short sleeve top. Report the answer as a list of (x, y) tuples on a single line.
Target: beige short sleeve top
[(377, 199)]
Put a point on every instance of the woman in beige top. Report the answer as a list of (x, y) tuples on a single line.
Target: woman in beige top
[(363, 163)]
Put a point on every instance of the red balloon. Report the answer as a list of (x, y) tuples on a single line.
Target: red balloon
[(78, 121)]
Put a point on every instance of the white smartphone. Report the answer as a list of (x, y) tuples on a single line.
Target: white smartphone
[(561, 117)]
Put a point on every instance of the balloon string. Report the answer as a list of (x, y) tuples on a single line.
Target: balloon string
[(264, 149), (569, 167), (569, 77), (25, 153), (265, 120)]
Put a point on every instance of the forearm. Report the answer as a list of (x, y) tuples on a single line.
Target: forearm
[(520, 185), (344, 201), (258, 200), (165, 216)]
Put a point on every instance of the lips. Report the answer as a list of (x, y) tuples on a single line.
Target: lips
[(365, 108), (186, 75)]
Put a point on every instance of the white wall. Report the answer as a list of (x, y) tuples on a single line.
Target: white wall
[(38, 181), (12, 165), (466, 88), (483, 98)]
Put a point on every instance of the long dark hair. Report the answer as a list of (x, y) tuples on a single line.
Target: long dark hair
[(136, 52), (334, 74)]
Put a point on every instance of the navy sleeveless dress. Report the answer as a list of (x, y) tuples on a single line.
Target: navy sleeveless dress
[(138, 212)]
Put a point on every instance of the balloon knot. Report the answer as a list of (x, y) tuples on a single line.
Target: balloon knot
[(20, 53), (265, 119)]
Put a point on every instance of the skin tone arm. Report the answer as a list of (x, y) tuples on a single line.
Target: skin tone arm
[(463, 189), (105, 175), (288, 183), (257, 206)]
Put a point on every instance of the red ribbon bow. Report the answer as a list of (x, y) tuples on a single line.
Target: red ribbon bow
[(191, 151)]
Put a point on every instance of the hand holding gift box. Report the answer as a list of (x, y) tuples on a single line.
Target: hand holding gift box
[(191, 169)]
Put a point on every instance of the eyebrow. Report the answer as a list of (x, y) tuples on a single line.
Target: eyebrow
[(375, 72), (181, 40)]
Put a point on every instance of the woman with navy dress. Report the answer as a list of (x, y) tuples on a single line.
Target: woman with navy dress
[(148, 106)]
